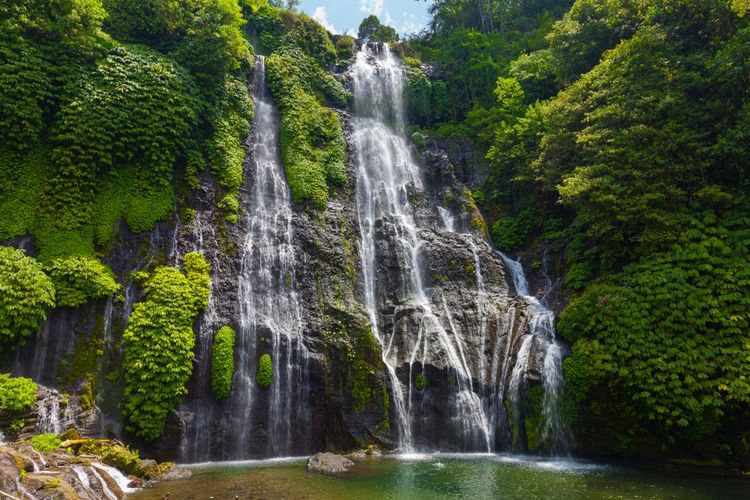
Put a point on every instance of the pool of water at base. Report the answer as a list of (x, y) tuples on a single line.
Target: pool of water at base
[(444, 476)]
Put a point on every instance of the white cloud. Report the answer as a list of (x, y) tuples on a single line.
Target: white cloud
[(389, 20), (410, 24), (321, 16), (351, 32), (371, 6)]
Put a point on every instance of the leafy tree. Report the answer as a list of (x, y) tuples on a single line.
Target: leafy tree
[(27, 294), (372, 30)]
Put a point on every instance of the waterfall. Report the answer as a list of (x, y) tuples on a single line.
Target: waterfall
[(270, 311), (541, 331), (387, 176), (52, 417), (122, 482), (200, 236)]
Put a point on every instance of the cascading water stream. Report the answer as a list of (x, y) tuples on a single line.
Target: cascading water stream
[(542, 331), (270, 310), (387, 174)]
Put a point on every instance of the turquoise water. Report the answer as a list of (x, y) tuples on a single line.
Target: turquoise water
[(435, 477)]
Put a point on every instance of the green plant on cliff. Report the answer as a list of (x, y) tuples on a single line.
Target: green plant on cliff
[(312, 139), (222, 362), (79, 279), (129, 117), (17, 394), (204, 36), (226, 146), (159, 342), (265, 371), (27, 294)]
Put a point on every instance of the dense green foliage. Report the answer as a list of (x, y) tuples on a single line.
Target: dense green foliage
[(159, 342), (226, 151), (17, 394), (312, 140), (97, 129), (282, 28), (617, 140), (204, 36), (45, 442), (80, 279), (265, 371), (26, 293), (222, 362)]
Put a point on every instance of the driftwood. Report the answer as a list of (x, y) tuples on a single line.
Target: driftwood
[(77, 442)]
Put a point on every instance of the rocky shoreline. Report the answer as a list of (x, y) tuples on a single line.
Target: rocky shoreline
[(70, 471)]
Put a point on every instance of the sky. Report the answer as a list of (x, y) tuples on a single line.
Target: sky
[(344, 16)]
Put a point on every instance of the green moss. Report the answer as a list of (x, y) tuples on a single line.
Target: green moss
[(362, 363), (17, 394), (265, 371), (53, 483), (26, 295), (45, 442), (16, 425), (421, 381), (155, 471), (80, 279), (222, 362), (385, 424), (159, 342), (116, 455)]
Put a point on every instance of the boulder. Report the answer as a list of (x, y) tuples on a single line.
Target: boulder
[(328, 463), (176, 473)]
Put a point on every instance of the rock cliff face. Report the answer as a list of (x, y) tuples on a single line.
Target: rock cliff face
[(418, 354)]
